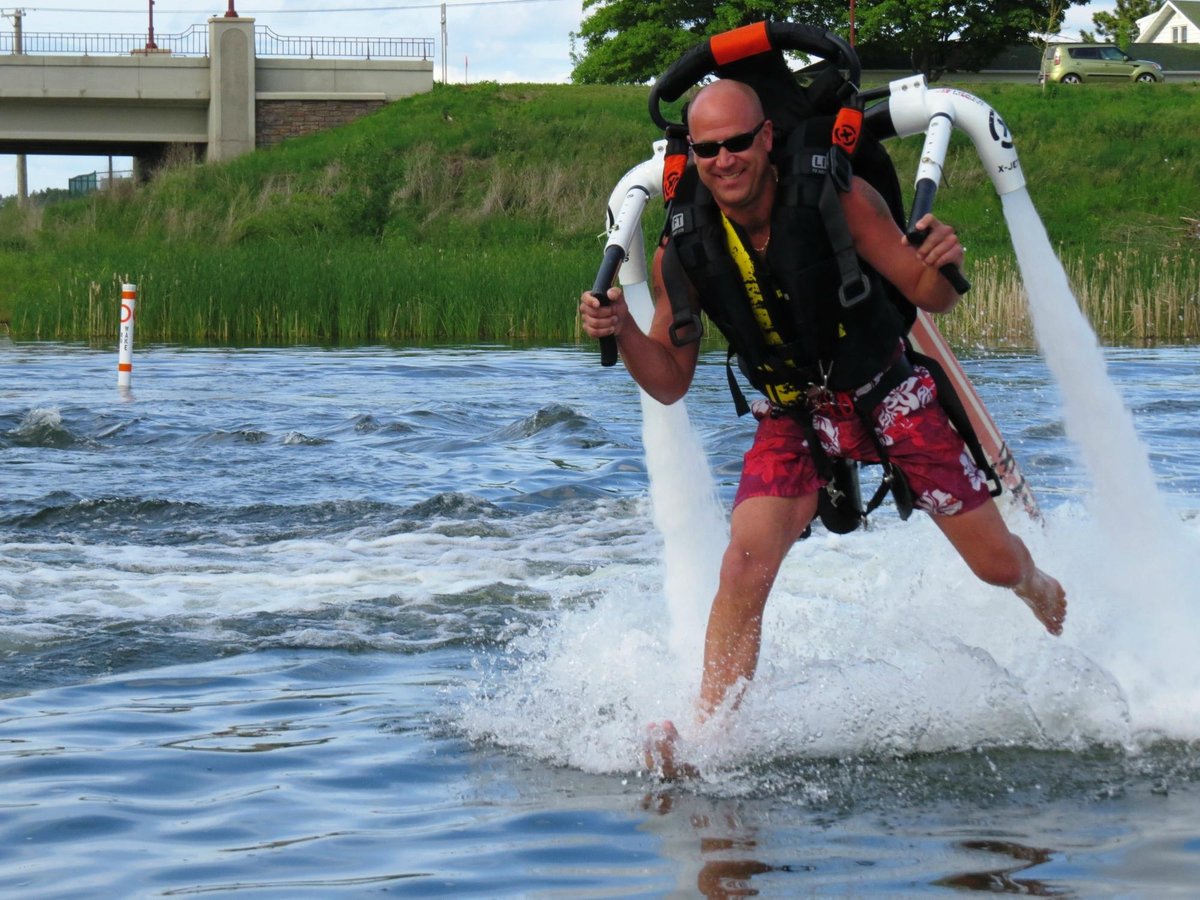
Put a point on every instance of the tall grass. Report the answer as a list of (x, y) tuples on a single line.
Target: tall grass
[(476, 213), (1128, 296)]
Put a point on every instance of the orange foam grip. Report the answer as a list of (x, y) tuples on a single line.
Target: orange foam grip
[(730, 46)]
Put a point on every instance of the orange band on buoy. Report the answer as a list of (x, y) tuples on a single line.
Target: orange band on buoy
[(128, 295), (124, 367), (730, 46)]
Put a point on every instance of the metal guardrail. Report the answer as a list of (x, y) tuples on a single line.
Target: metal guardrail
[(194, 42), (79, 185)]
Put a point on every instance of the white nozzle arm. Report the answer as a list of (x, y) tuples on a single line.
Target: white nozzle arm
[(628, 200), (913, 107)]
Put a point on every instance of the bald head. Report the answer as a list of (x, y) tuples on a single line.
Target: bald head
[(724, 105)]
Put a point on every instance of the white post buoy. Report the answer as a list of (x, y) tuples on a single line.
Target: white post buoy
[(125, 340)]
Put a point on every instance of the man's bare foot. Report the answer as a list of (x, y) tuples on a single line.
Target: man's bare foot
[(660, 753), (1046, 597)]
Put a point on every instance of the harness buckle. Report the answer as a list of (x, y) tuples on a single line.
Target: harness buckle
[(854, 291), (690, 325)]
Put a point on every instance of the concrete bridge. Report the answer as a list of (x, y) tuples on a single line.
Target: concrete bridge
[(221, 104)]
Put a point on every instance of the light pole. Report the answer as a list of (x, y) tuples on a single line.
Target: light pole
[(150, 45)]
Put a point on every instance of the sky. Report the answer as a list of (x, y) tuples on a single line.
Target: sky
[(487, 40)]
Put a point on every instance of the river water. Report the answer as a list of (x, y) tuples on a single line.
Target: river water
[(290, 622)]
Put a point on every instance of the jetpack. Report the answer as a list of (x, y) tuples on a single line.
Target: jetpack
[(859, 122)]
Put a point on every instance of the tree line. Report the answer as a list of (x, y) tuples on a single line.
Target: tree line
[(633, 41)]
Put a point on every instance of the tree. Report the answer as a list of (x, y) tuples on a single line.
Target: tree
[(936, 36), (634, 41), (1120, 26)]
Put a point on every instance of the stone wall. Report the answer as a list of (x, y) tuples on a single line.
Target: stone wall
[(278, 120)]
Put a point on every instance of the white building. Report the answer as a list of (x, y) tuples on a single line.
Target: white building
[(1178, 22)]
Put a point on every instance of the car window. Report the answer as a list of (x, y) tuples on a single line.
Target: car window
[(1113, 53), (1085, 53)]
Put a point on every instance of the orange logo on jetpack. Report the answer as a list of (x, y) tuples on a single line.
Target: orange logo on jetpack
[(846, 128), (673, 167)]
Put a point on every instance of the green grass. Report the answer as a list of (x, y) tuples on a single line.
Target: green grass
[(476, 213)]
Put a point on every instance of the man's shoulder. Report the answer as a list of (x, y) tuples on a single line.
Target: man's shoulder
[(864, 201)]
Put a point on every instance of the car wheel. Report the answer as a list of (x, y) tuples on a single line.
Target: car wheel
[(1071, 78), (1146, 77)]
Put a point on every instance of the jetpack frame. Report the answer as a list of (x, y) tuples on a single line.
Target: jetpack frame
[(903, 108)]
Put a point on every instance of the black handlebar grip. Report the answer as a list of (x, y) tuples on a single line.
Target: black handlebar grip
[(949, 271), (957, 280), (614, 255), (608, 345), (923, 196)]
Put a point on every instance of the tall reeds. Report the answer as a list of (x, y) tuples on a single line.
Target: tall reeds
[(1129, 296)]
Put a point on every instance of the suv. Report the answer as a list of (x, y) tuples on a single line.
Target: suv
[(1073, 63)]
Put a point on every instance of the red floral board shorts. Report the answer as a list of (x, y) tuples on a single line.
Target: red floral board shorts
[(913, 429)]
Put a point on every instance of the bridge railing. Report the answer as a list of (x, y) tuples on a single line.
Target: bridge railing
[(268, 43), (194, 42)]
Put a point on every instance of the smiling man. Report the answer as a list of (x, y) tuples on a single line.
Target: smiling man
[(852, 395)]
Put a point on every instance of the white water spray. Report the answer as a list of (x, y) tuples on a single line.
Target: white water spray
[(1095, 414), (687, 512), (1148, 562)]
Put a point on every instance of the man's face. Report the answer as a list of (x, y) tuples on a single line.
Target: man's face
[(737, 180)]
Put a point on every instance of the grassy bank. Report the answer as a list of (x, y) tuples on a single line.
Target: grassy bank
[(476, 213)]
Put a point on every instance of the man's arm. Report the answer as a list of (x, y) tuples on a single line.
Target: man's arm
[(663, 370), (913, 270)]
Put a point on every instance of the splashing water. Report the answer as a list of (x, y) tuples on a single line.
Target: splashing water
[(1142, 582), (882, 641), (1149, 563)]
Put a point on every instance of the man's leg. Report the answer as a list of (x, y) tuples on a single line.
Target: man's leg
[(762, 531), (999, 557)]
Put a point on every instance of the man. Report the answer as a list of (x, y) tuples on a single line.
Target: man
[(777, 496)]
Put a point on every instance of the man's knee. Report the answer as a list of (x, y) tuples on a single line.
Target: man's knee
[(1006, 566), (745, 565)]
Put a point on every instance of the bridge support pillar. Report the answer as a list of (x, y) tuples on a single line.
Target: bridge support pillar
[(231, 74)]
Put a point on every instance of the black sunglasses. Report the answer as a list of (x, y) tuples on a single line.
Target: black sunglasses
[(735, 144)]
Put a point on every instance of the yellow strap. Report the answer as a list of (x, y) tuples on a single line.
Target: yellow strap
[(745, 264), (783, 394)]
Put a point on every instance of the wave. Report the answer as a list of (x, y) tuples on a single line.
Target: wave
[(564, 422), (42, 427)]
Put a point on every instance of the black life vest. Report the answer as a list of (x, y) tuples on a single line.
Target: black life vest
[(840, 323)]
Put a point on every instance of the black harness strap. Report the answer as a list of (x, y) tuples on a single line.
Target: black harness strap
[(686, 325), (854, 287)]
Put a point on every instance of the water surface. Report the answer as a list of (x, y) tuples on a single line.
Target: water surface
[(309, 621)]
